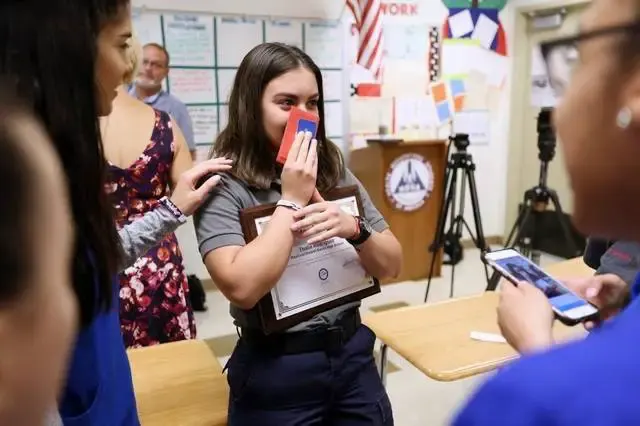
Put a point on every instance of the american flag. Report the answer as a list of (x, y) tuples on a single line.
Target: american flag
[(368, 17)]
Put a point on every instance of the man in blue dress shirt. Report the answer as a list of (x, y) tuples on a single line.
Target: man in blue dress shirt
[(148, 88)]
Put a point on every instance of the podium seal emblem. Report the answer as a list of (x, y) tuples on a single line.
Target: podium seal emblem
[(409, 182)]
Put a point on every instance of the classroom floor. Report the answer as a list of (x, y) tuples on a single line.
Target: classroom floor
[(416, 399)]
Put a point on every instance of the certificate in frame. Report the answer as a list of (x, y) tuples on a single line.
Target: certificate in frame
[(288, 304)]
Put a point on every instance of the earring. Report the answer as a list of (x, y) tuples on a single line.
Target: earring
[(623, 119)]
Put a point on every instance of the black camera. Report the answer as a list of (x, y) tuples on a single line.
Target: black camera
[(546, 135), (460, 141)]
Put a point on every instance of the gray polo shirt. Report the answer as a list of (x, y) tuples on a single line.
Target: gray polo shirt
[(218, 225)]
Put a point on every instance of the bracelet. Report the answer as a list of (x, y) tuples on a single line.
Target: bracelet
[(288, 204), (175, 211), (357, 232)]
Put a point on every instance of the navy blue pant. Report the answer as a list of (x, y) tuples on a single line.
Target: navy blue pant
[(309, 389)]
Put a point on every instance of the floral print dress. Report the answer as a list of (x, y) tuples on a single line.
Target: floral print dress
[(154, 295)]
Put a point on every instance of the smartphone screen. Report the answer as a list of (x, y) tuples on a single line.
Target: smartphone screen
[(519, 268)]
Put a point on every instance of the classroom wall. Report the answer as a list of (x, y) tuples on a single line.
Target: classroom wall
[(205, 65), (490, 159), (490, 156), (302, 9)]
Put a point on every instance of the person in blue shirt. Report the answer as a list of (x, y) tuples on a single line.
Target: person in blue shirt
[(148, 88), (65, 66), (593, 381)]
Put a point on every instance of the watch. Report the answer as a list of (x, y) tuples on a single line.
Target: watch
[(363, 233)]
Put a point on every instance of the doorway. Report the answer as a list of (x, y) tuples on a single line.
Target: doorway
[(523, 162)]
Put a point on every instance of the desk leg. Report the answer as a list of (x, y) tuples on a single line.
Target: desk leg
[(382, 363)]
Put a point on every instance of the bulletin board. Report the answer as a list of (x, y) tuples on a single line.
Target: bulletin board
[(206, 51), (441, 74)]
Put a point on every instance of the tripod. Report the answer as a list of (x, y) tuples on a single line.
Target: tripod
[(460, 160), (524, 232)]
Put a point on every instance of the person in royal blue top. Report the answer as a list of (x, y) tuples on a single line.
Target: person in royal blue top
[(65, 59), (596, 74)]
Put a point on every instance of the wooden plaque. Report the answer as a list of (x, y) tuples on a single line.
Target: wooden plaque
[(275, 313)]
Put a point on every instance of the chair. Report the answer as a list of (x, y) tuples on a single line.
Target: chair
[(179, 384)]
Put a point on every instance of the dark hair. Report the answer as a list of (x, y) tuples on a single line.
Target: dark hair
[(17, 201), (245, 141), (162, 49), (48, 50)]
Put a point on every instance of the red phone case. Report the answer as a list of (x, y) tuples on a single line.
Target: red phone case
[(291, 129)]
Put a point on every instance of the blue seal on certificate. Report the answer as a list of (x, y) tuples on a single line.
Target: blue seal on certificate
[(323, 274)]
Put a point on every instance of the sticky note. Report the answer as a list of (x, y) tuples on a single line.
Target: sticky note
[(457, 87), (439, 92)]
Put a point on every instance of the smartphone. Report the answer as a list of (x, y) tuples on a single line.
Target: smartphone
[(299, 121), (569, 308)]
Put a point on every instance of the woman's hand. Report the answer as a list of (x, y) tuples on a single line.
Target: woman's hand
[(323, 220), (607, 291), (525, 317), (187, 194), (300, 170)]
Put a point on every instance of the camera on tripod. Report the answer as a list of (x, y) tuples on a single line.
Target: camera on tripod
[(460, 141), (546, 136), (454, 196)]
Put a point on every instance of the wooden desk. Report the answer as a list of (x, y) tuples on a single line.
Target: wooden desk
[(435, 338), (179, 384)]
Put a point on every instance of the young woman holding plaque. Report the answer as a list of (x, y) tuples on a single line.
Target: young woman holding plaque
[(297, 376)]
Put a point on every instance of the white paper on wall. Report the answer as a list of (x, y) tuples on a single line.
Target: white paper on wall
[(193, 86), (237, 37), (189, 40)]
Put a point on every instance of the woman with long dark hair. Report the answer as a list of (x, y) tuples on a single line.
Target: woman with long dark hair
[(65, 59)]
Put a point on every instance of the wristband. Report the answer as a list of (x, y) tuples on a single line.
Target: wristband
[(175, 211), (288, 204)]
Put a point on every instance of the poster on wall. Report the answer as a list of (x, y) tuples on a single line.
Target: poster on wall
[(323, 42), (147, 27), (205, 123), (284, 31), (406, 42), (189, 40), (241, 35), (226, 78), (193, 86), (332, 84)]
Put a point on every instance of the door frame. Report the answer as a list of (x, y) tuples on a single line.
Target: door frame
[(520, 75)]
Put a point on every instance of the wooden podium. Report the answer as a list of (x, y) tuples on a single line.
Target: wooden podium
[(406, 183)]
